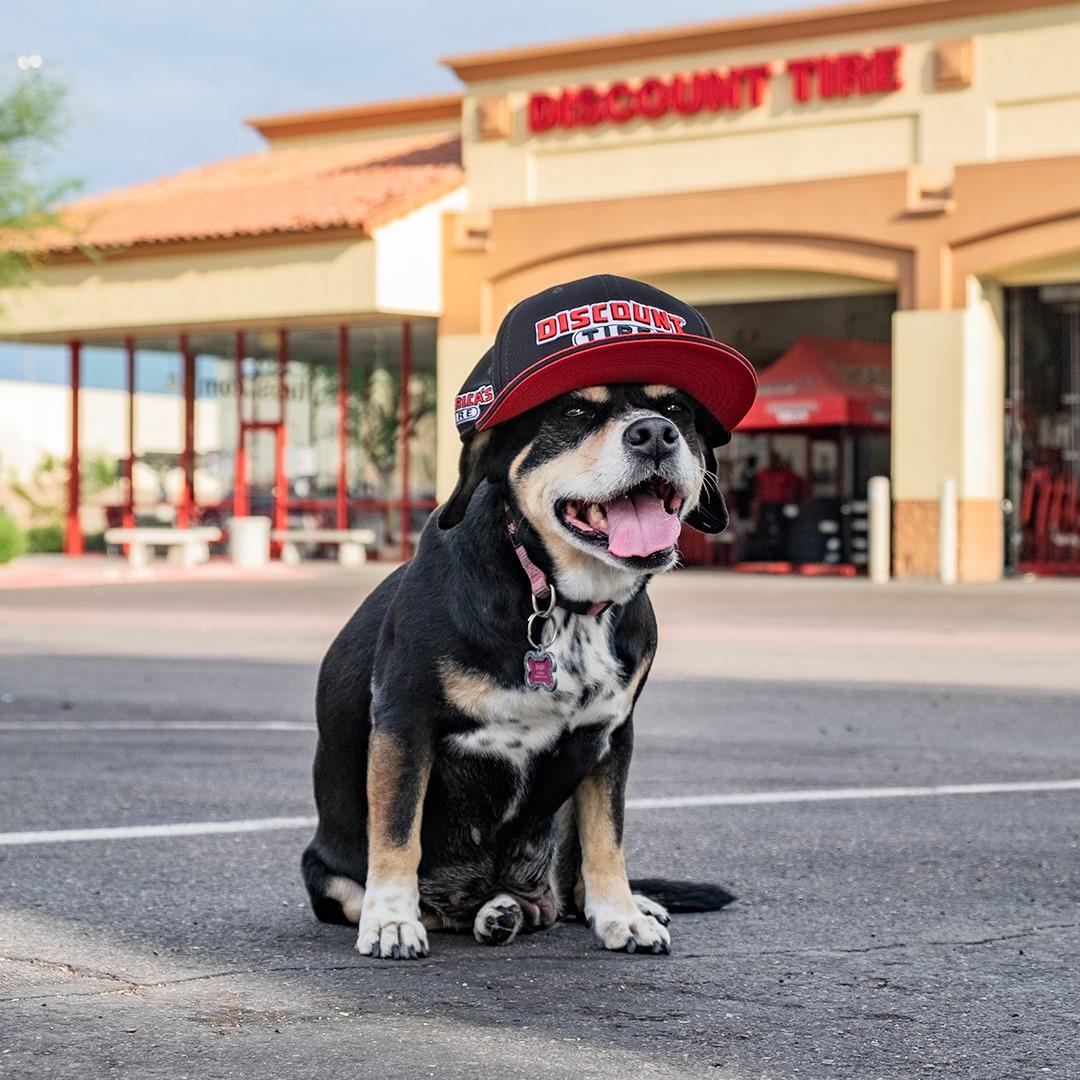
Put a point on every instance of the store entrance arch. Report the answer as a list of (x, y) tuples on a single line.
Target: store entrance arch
[(796, 472)]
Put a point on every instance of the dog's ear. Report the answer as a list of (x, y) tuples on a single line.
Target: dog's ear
[(472, 468), (710, 515), (710, 431)]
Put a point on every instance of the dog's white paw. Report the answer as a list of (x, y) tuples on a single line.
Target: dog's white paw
[(651, 907), (632, 931), (498, 921), (390, 926)]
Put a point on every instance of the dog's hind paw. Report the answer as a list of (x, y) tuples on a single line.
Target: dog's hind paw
[(498, 921), (392, 939), (651, 907)]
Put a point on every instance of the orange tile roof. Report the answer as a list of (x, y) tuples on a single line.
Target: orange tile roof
[(305, 189)]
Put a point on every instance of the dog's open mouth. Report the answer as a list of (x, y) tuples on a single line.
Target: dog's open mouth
[(636, 524)]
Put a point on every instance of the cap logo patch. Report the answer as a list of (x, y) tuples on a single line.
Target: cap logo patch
[(467, 406), (610, 318)]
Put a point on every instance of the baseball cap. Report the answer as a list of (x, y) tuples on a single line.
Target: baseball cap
[(597, 330)]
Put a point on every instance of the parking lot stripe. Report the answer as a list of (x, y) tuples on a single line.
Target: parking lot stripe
[(751, 798), (155, 725), (141, 832), (745, 798)]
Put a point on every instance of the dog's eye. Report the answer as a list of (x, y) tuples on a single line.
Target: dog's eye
[(673, 408), (573, 411)]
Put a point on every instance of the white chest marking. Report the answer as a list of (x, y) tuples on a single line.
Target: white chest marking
[(516, 723)]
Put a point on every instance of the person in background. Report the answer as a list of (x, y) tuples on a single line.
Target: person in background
[(742, 494), (776, 485), (778, 482)]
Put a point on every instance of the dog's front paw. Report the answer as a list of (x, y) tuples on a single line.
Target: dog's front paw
[(390, 928), (630, 931), (393, 939)]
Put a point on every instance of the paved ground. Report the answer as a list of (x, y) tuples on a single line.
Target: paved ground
[(907, 936)]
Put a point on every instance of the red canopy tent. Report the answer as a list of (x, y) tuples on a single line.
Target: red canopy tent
[(826, 390), (825, 382)]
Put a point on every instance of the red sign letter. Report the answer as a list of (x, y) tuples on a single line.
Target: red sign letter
[(757, 79), (619, 103), (543, 112), (802, 73), (652, 98), (588, 107), (886, 64)]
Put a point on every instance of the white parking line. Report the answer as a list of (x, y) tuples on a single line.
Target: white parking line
[(752, 798), (155, 725), (142, 832), (746, 798)]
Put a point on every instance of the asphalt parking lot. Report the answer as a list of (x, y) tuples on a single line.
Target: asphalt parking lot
[(792, 744)]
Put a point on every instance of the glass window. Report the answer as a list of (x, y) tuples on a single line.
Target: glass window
[(215, 419), (312, 414), (159, 429)]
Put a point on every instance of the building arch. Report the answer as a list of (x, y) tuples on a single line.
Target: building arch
[(734, 251), (1016, 246)]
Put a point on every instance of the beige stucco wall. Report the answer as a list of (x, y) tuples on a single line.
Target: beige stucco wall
[(1025, 102), (1057, 270), (408, 257), (397, 270), (458, 354), (235, 287), (748, 286), (948, 393), (948, 389)]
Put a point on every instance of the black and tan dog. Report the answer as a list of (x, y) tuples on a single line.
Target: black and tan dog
[(475, 715)]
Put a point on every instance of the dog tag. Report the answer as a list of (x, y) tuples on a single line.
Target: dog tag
[(540, 670)]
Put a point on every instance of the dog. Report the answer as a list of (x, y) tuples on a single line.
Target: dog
[(452, 796)]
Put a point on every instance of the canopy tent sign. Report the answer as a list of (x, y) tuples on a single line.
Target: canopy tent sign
[(825, 382)]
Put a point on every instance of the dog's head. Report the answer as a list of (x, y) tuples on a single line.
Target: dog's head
[(605, 476)]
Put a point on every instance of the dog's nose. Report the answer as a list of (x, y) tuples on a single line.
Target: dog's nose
[(652, 437)]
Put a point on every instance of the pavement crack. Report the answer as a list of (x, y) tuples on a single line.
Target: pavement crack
[(1030, 932), (992, 939), (132, 986), (66, 969)]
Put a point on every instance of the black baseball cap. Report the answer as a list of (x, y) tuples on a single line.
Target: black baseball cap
[(597, 330)]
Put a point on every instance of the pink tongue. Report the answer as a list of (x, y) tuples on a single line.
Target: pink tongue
[(639, 525)]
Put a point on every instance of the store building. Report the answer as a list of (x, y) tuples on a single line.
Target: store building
[(291, 297), (902, 174)]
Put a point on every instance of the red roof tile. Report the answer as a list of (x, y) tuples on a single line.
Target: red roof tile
[(358, 184)]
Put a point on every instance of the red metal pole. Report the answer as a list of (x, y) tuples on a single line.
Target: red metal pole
[(240, 492), (406, 378), (186, 509), (281, 482), (343, 427), (129, 508), (73, 540)]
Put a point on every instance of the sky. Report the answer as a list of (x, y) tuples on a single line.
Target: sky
[(160, 85), (156, 86)]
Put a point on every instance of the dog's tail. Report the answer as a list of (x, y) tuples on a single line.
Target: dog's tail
[(684, 896)]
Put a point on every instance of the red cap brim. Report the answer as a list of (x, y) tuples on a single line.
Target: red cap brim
[(720, 379)]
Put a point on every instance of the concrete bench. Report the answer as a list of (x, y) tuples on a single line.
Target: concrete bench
[(352, 544), (186, 546)]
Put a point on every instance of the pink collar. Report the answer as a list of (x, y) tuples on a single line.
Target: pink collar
[(538, 581)]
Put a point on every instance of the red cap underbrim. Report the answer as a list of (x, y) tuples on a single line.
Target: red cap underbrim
[(720, 379)]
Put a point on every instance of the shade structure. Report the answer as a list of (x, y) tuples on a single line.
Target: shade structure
[(825, 382)]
